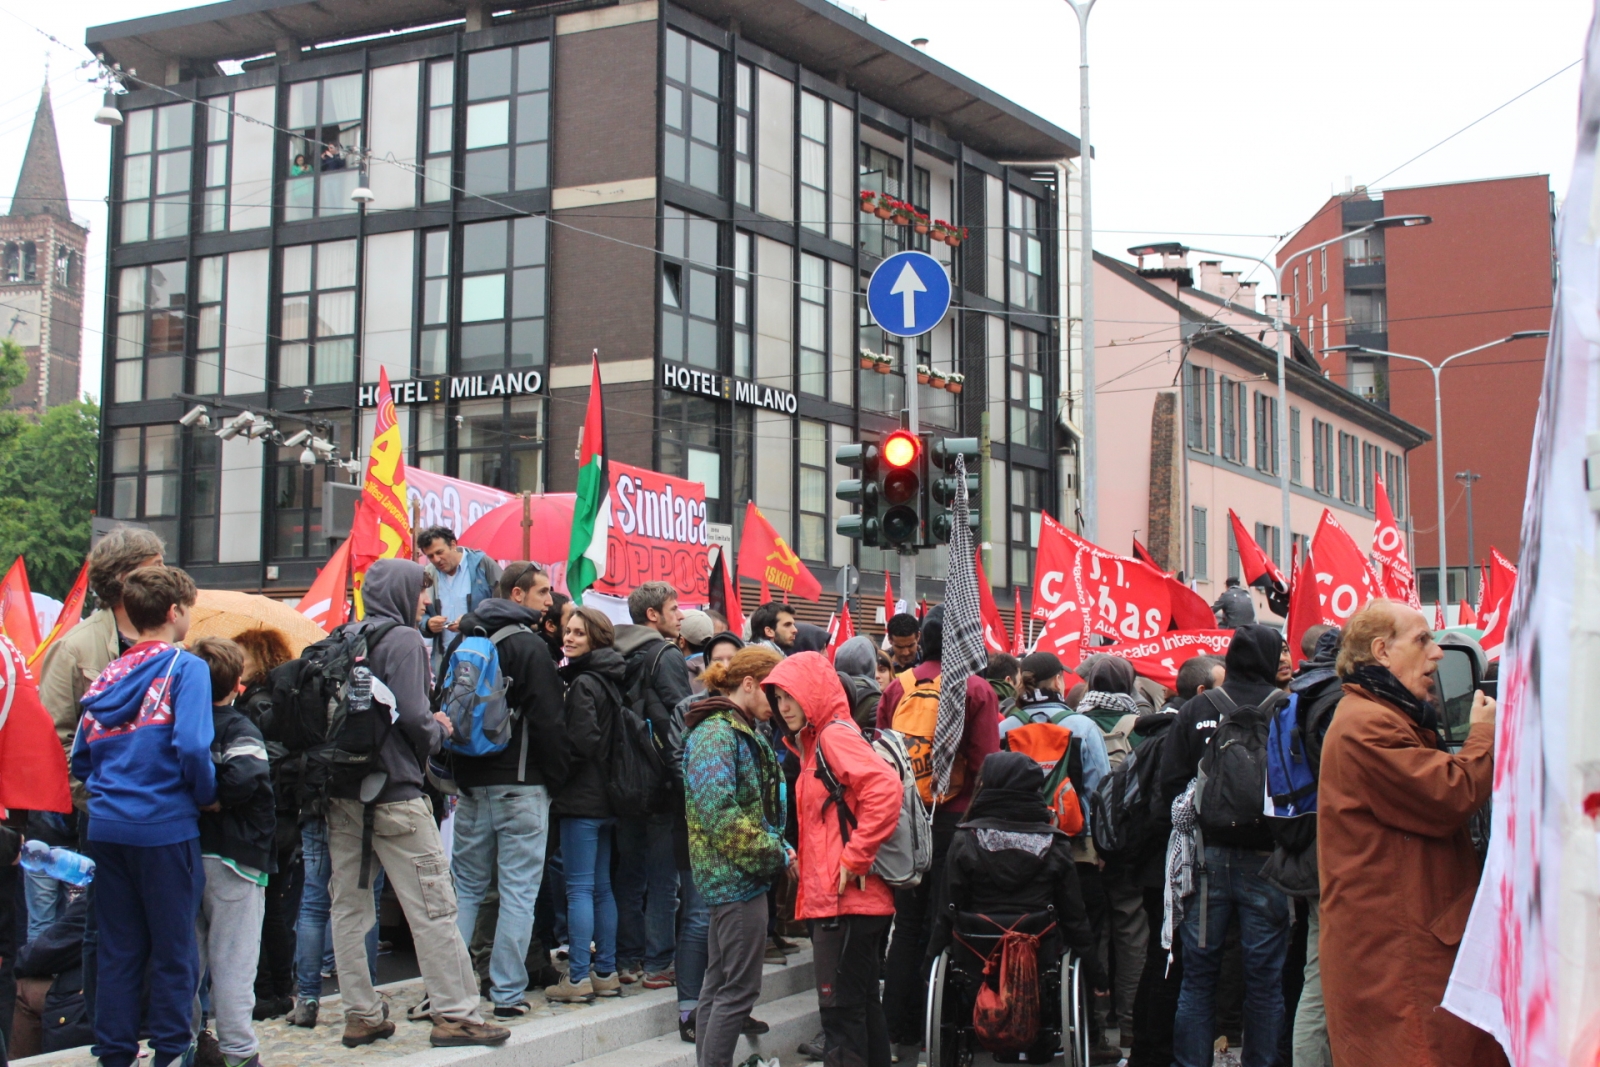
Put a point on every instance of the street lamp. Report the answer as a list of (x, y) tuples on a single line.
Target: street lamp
[(1438, 420), (1466, 478), (1387, 222), (1091, 477)]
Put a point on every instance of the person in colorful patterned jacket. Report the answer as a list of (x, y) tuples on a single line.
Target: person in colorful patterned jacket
[(735, 811)]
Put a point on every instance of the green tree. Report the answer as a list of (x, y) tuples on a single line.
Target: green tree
[(47, 489)]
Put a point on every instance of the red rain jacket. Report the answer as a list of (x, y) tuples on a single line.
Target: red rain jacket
[(871, 789)]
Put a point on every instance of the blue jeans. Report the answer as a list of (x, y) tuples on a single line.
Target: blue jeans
[(46, 897), (695, 924), (646, 885), (591, 909), (501, 829), (1234, 887), (311, 928)]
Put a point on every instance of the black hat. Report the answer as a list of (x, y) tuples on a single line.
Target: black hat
[(1043, 666)]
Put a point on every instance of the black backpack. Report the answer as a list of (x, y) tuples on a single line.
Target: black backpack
[(1231, 785), (637, 782), (1121, 816)]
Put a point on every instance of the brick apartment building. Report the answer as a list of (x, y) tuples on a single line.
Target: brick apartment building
[(1483, 270)]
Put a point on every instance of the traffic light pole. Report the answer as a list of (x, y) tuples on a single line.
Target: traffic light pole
[(908, 560)]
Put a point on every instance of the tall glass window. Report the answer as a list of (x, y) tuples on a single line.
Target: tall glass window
[(1025, 252), (814, 162), (689, 444), (145, 480), (151, 328), (813, 325), (743, 136), (325, 149), (689, 286), (212, 272), (238, 161), (317, 322), (693, 112), (881, 172), (508, 119), (1027, 389), (813, 490), (1029, 488), (743, 313), (503, 293), (501, 443), (439, 136), (433, 355), (200, 496), (296, 494), (155, 172), (214, 200)]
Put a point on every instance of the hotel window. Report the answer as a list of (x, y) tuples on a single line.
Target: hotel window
[(1027, 389), (1025, 252), (212, 272), (201, 496), (325, 149), (689, 286), (155, 172), (881, 173), (145, 480), (1294, 446), (238, 161), (500, 443), (508, 119), (743, 136), (743, 314), (693, 113), (813, 490), (690, 445), (433, 353), (813, 326), (151, 327), (296, 495), (1266, 433), (1029, 488), (503, 293), (439, 137), (1201, 552), (317, 321)]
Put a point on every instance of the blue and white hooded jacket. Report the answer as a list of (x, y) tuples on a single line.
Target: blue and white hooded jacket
[(143, 747)]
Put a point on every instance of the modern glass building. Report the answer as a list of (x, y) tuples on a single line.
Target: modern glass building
[(476, 197)]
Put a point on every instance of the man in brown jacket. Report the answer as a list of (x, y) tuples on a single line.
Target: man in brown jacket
[(1397, 864)]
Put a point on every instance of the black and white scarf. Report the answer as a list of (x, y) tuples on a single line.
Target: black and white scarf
[(964, 654)]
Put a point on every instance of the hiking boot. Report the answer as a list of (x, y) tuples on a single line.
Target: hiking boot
[(207, 1052), (606, 985), (449, 1033), (814, 1049), (304, 1014), (512, 1011), (660, 980), (568, 992), (358, 1032), (753, 1026)]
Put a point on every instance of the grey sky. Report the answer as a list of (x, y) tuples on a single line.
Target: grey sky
[(1232, 116)]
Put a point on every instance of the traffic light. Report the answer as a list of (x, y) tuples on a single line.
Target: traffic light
[(942, 453), (904, 467), (864, 492)]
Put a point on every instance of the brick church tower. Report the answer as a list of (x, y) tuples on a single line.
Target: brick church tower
[(41, 271)]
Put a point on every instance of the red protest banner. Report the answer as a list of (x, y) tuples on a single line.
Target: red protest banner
[(1055, 595), (1344, 577), (1160, 657), (658, 534), (1121, 597)]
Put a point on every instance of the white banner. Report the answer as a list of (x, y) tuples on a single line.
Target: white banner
[(438, 500)]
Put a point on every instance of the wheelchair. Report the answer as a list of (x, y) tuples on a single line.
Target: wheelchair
[(958, 972)]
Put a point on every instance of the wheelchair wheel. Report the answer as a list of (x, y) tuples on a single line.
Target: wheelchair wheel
[(945, 1048), (1074, 1013)]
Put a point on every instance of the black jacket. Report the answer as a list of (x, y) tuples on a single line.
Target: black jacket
[(656, 676), (245, 829), (286, 769), (1149, 868), (538, 753), (594, 684), (1235, 608), (1252, 671)]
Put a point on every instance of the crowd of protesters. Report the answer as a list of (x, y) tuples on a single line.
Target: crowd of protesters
[(228, 886)]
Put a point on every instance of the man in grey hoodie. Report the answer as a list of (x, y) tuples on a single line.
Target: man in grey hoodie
[(405, 838)]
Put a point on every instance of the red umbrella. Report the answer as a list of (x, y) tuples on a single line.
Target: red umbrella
[(533, 526)]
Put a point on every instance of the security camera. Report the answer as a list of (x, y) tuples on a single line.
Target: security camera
[(298, 439), (196, 416), (308, 458), (259, 427), (236, 425)]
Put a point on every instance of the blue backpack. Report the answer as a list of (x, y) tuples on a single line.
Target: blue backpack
[(474, 696), (1291, 778)]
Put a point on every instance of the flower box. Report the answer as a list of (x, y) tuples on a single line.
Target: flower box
[(922, 374), (953, 382)]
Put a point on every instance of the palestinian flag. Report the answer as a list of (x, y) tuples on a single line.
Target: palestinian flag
[(591, 513)]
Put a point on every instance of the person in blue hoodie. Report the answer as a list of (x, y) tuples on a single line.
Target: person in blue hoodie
[(143, 750)]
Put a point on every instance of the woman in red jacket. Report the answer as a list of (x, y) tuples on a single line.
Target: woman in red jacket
[(849, 907)]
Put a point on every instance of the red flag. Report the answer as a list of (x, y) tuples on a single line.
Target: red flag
[(33, 768), (1120, 596), (71, 613), (16, 609), (1305, 608), (1189, 609), (1438, 615), (922, 608), (767, 558), (1465, 616), (1017, 639), (724, 592), (1142, 554), (1389, 547), (1497, 602), (840, 628), (1252, 561), (325, 602), (888, 602), (1055, 594), (995, 638), (1344, 577), (1160, 657)]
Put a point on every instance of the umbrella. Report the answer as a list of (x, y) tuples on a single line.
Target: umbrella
[(533, 526), (225, 613)]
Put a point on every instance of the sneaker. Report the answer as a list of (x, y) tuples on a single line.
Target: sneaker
[(775, 954), (789, 947), (304, 1014), (450, 1033), (753, 1026), (606, 985), (629, 975), (207, 1052), (814, 1049), (512, 1011), (271, 1008), (358, 1032), (568, 992), (660, 980), (686, 1027)]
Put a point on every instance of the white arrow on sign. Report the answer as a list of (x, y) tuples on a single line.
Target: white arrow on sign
[(907, 286)]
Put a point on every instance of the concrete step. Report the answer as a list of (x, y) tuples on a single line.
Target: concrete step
[(793, 1019)]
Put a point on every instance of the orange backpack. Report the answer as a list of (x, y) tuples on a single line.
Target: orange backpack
[(1050, 746), (1006, 1014), (915, 718)]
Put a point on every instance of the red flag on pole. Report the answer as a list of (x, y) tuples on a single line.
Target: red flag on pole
[(1465, 616), (33, 768), (1389, 548), (71, 613), (325, 603), (1344, 577), (767, 558), (1018, 642), (841, 628), (1497, 603), (1189, 609), (724, 592), (16, 609), (1305, 607), (888, 602), (1252, 561), (381, 528), (995, 638)]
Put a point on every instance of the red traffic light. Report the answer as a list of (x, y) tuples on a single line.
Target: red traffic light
[(900, 449)]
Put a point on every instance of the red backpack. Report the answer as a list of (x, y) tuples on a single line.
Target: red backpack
[(1006, 1015)]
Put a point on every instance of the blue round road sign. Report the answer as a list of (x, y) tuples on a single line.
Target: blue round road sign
[(909, 294)]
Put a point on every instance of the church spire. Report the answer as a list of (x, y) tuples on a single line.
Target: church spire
[(42, 185)]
